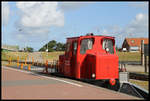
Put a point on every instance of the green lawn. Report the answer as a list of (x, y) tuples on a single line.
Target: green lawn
[(123, 56), (129, 56), (143, 84), (6, 55), (52, 55)]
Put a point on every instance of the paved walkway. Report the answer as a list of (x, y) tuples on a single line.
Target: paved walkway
[(19, 84)]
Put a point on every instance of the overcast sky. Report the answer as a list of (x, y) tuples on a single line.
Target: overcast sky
[(35, 23)]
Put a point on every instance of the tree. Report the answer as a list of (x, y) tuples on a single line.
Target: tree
[(59, 46), (29, 49), (53, 46), (63, 47), (42, 49)]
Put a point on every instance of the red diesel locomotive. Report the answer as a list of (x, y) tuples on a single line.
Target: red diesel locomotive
[(90, 57)]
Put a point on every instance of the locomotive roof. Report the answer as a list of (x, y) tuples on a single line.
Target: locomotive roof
[(90, 35)]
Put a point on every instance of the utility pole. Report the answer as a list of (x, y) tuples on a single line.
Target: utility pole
[(47, 45), (146, 64), (146, 55), (142, 52)]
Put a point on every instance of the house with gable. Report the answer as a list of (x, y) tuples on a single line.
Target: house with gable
[(133, 44)]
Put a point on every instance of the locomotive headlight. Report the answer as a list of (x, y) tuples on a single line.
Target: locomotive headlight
[(93, 75)]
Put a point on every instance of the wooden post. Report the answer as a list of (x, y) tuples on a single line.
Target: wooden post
[(18, 61), (146, 64), (9, 60), (21, 65), (57, 65), (17, 64), (142, 52), (46, 66), (26, 61), (29, 67)]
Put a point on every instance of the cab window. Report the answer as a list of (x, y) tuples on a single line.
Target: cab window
[(67, 47), (74, 48), (107, 45), (86, 44)]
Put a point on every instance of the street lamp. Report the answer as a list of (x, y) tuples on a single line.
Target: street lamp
[(47, 49), (47, 45)]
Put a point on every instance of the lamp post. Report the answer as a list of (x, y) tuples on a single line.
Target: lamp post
[(47, 50), (47, 45)]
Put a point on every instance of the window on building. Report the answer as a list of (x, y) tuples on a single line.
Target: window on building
[(132, 41), (135, 48)]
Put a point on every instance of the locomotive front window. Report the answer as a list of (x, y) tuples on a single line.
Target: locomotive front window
[(85, 45), (107, 44)]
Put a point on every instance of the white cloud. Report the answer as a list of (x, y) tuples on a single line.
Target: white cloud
[(40, 14), (138, 27), (36, 20), (5, 13)]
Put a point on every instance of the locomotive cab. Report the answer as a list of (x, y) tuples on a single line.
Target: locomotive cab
[(90, 57)]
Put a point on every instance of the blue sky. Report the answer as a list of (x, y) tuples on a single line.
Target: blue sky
[(34, 24)]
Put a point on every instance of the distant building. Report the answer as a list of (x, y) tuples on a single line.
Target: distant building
[(21, 49), (10, 48), (133, 44)]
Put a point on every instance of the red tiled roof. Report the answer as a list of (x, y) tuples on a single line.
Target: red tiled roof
[(136, 41)]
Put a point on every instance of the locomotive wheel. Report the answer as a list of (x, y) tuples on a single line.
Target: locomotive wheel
[(113, 87)]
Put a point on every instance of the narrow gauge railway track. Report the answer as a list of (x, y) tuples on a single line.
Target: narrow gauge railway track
[(138, 76), (52, 64)]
